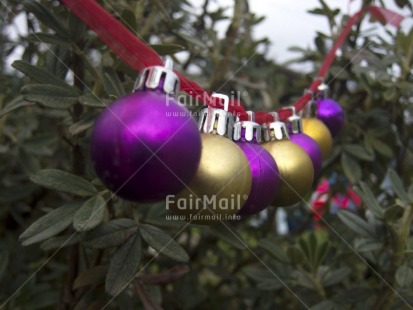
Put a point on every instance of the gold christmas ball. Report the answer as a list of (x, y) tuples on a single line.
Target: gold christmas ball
[(320, 134), (296, 171), (221, 184)]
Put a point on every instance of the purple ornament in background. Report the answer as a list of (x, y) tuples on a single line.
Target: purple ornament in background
[(331, 114), (265, 178), (146, 146), (264, 170), (311, 148), (308, 144)]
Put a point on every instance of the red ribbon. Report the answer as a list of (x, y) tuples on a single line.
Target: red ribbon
[(139, 55)]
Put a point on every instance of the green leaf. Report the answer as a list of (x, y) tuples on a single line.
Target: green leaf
[(320, 44), (305, 248), (382, 148), (369, 200), (321, 253), (393, 212), (390, 93), (58, 60), (50, 96), (124, 265), (398, 186), (317, 11), (87, 120), (92, 276), (313, 250), (63, 181), (47, 17), (337, 150), (295, 255), (41, 75), (193, 40), (167, 49), (91, 100), (15, 104), (313, 245), (410, 191), (128, 19), (402, 3), (325, 305), (356, 223), (358, 151), (367, 245), (49, 38), (112, 83), (110, 234), (16, 192), (265, 279), (355, 295), (336, 276), (302, 278), (77, 27), (29, 163), (224, 232), (59, 242), (50, 224), (163, 243), (351, 168), (404, 276), (90, 214), (4, 261), (42, 145), (274, 250)]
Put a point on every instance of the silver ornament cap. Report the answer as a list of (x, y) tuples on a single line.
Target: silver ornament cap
[(217, 121), (249, 131), (275, 131), (294, 124), (323, 91), (159, 77)]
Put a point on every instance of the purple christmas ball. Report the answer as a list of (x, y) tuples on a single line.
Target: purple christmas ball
[(311, 148), (331, 114), (265, 178), (145, 146)]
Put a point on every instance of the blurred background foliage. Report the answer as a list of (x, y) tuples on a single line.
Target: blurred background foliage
[(50, 99)]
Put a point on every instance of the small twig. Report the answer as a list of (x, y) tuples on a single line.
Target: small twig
[(232, 34), (166, 277), (386, 295), (261, 85), (147, 302)]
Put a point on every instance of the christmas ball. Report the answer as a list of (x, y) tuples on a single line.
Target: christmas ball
[(145, 146), (221, 184), (319, 132), (296, 171), (265, 178), (311, 148), (331, 114)]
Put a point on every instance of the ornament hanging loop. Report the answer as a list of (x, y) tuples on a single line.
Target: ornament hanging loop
[(276, 130), (294, 124), (159, 78), (217, 121), (323, 91), (249, 131), (310, 109)]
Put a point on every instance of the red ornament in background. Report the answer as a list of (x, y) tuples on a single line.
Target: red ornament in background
[(323, 200)]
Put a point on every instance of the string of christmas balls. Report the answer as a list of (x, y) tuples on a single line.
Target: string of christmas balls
[(247, 160)]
